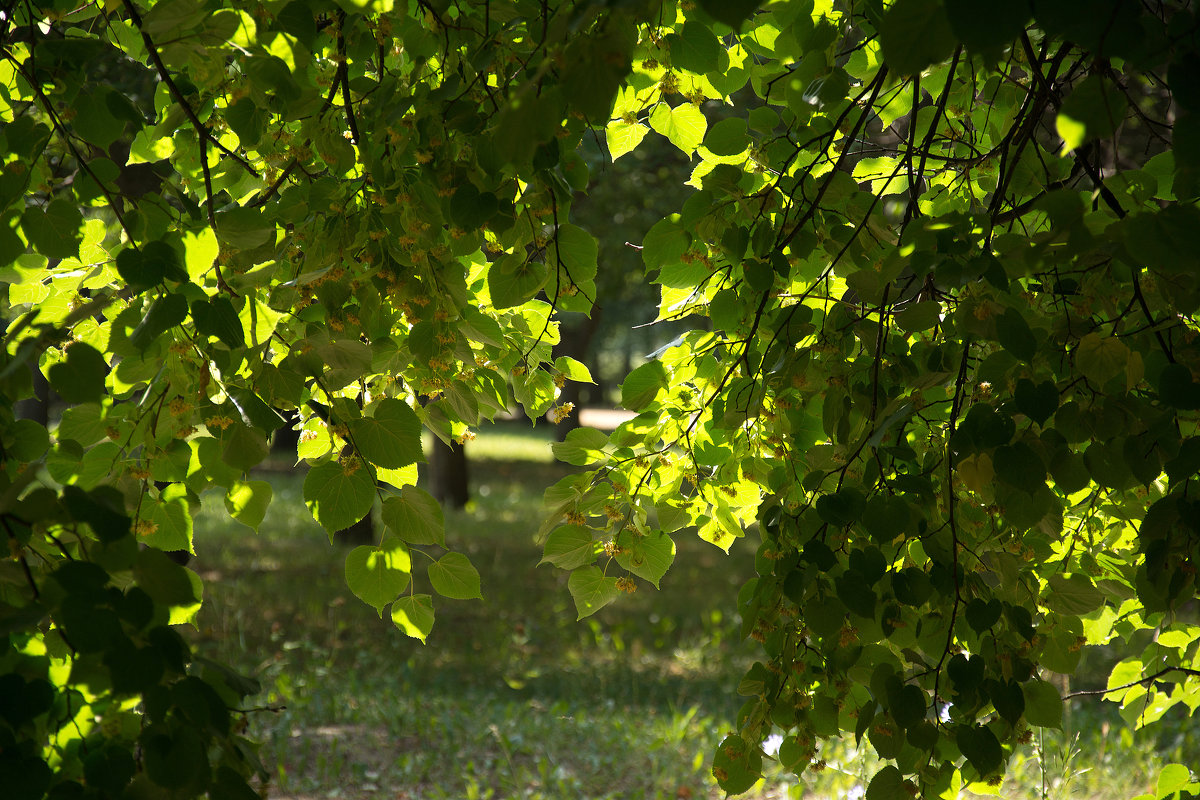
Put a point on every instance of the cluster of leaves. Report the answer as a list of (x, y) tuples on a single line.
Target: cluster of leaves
[(942, 260), (946, 257), (218, 214)]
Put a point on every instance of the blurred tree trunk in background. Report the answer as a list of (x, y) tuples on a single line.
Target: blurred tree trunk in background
[(361, 532), (575, 341), (449, 479), (36, 408)]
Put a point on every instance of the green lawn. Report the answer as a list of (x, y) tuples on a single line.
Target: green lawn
[(512, 698)]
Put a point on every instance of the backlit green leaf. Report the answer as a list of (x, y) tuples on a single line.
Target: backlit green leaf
[(415, 516), (453, 576), (377, 575), (591, 590), (570, 546), (391, 437), (683, 125), (247, 502), (338, 495), (414, 615)]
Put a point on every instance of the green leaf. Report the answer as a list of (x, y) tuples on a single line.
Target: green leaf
[(591, 590), (1171, 779), (623, 137), (885, 517), (642, 385), (649, 556), (1074, 594), (1177, 388), (728, 137), (1015, 336), (80, 378), (694, 47), (247, 502), (981, 748), (171, 520), (1019, 465), (513, 281), (1101, 358), (736, 765), (254, 410), (1008, 699), (575, 250), (243, 447), (217, 317), (391, 437), (470, 208), (593, 71), (244, 228), (248, 120), (1038, 401), (570, 547), (1094, 110), (93, 120), (983, 615), (338, 495), (165, 312), (664, 243), (102, 508), (915, 34), (684, 126), (453, 576), (413, 615), (162, 260), (987, 25), (919, 317), (415, 516), (528, 121), (377, 575), (27, 440), (908, 705), (732, 13), (54, 231), (582, 446), (163, 579), (888, 784), (573, 370), (1043, 706)]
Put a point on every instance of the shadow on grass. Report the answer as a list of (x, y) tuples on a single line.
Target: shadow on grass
[(512, 697)]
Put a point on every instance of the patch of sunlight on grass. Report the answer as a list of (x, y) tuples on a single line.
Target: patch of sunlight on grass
[(510, 441)]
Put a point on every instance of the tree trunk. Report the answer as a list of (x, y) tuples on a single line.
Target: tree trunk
[(448, 475), (36, 408), (575, 340), (361, 532), (287, 438)]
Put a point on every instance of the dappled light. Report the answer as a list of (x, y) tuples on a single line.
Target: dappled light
[(641, 398)]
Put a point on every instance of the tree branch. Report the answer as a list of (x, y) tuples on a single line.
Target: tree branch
[(1195, 673), (165, 76)]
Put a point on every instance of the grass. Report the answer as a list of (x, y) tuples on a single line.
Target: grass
[(512, 698)]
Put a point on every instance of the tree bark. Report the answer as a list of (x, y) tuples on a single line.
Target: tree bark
[(449, 479)]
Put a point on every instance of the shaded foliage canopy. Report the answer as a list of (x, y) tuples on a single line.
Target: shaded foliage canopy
[(939, 262)]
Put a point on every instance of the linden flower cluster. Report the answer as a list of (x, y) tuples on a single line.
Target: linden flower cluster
[(559, 413)]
